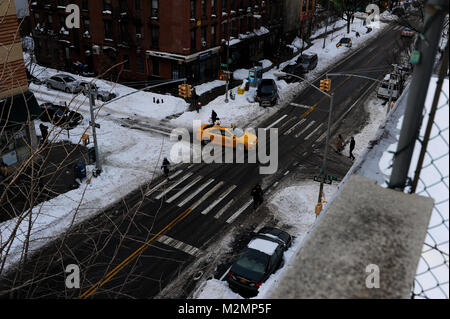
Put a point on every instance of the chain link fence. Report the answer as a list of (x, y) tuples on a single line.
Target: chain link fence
[(432, 277)]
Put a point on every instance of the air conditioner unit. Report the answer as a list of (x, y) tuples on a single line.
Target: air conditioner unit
[(96, 49), (138, 35), (203, 43)]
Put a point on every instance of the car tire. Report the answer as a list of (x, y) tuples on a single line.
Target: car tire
[(49, 86), (67, 90), (100, 98)]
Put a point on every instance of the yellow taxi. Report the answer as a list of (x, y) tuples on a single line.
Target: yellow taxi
[(226, 136)]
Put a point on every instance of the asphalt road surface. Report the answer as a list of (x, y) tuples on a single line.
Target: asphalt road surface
[(137, 247)]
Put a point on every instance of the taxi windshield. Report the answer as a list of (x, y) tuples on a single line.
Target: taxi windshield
[(238, 132)]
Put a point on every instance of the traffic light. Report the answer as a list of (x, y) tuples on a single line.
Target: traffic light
[(182, 90), (189, 90), (223, 77), (325, 85)]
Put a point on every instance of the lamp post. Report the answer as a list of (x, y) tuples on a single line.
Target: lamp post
[(324, 162)]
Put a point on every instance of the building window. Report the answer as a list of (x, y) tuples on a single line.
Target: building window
[(36, 18), (123, 6), (87, 25), (224, 5), (126, 62), (84, 5), (193, 9), (154, 13), (203, 36), (107, 6), (155, 37), (213, 7), (203, 9), (193, 39), (155, 64), (138, 26), (137, 4), (108, 29), (213, 35), (140, 64), (123, 32), (49, 22), (62, 3)]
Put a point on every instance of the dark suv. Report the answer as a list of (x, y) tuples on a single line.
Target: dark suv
[(267, 93), (60, 115), (307, 61), (262, 257), (292, 69)]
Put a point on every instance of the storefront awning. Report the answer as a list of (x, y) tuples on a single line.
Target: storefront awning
[(18, 109)]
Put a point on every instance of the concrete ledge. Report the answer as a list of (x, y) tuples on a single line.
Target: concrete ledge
[(365, 224)]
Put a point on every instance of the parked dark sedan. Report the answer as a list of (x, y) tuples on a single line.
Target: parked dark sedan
[(292, 69), (262, 257), (307, 61), (60, 115), (267, 93)]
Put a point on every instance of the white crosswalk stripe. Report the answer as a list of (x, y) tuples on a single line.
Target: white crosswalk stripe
[(293, 127), (288, 121), (174, 185), (209, 193), (187, 199), (155, 188), (236, 215), (184, 189), (223, 209), (313, 132), (324, 134), (276, 122), (306, 128), (172, 242), (218, 200)]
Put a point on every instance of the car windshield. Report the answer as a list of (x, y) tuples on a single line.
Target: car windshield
[(68, 79), (238, 132), (345, 40), (267, 89), (251, 265), (306, 59)]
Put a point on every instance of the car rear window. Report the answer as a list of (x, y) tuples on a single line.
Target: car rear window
[(253, 261), (68, 79), (267, 89)]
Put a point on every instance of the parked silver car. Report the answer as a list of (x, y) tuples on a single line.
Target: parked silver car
[(64, 83), (102, 95)]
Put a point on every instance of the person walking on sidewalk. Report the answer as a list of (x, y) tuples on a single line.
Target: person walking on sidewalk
[(213, 117), (352, 147), (165, 167), (339, 144), (195, 100), (44, 132), (257, 195)]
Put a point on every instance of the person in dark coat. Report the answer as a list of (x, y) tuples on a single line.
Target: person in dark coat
[(195, 100), (213, 117), (352, 147), (165, 167), (44, 132), (257, 195)]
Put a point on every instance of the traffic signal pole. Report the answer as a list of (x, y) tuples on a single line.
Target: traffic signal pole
[(98, 163)]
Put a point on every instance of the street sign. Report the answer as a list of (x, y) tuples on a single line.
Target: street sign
[(224, 65), (319, 179)]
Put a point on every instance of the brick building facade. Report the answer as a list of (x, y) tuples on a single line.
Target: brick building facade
[(143, 40), (18, 106)]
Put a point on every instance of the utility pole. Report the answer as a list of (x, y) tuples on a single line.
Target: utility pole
[(391, 89), (324, 163), (435, 12), (98, 164), (326, 25), (228, 56)]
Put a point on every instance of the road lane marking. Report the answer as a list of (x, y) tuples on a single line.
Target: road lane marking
[(202, 199), (130, 258), (223, 209), (276, 122), (217, 201), (174, 185), (195, 193), (174, 243), (300, 105), (306, 128), (313, 132), (236, 215), (321, 137), (293, 127), (163, 182), (288, 121), (184, 189)]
